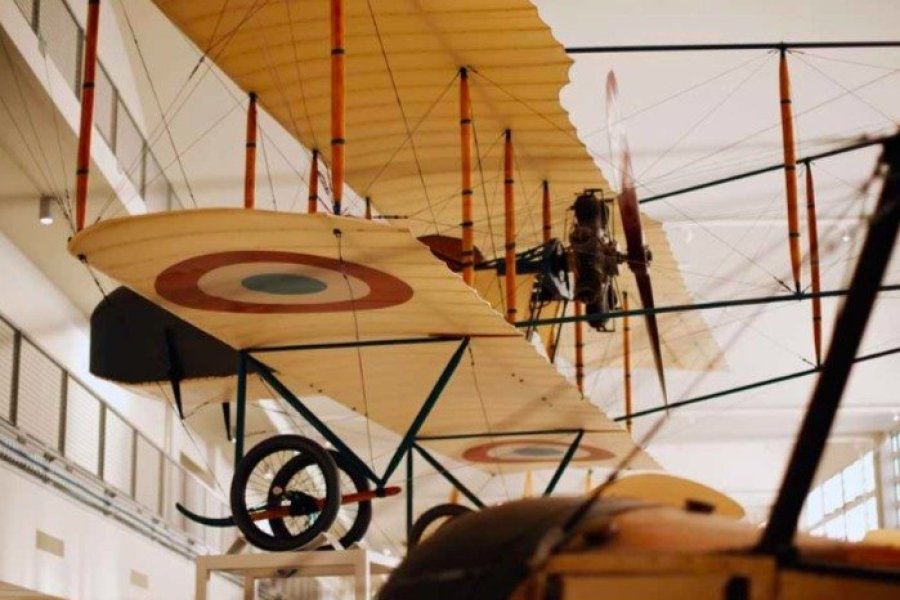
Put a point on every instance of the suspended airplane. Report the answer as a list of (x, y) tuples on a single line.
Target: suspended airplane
[(284, 304), (274, 304)]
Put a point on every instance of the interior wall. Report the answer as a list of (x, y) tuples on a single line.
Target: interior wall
[(99, 559)]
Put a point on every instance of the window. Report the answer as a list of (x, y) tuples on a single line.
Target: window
[(845, 506)]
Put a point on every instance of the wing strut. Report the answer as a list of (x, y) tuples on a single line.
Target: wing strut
[(790, 165), (337, 103), (579, 346), (87, 112), (250, 155), (814, 262), (626, 360), (778, 537), (465, 150), (509, 205), (312, 205)]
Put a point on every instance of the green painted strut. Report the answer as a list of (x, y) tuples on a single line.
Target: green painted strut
[(409, 439), (750, 386), (615, 314), (356, 344), (762, 170), (241, 406), (449, 476), (566, 459)]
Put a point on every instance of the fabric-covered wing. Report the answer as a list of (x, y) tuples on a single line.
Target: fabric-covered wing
[(280, 50), (257, 279)]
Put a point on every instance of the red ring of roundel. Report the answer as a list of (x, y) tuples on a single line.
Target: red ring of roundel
[(481, 452), (179, 283)]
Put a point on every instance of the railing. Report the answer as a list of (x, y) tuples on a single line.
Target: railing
[(58, 413), (63, 41)]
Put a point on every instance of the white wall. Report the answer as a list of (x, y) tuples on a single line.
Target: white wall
[(99, 552)]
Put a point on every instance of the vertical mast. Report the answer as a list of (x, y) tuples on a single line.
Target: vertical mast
[(509, 206), (337, 103), (579, 346), (626, 359), (250, 155), (313, 205), (465, 147), (814, 262), (790, 166), (368, 208), (545, 211), (87, 112)]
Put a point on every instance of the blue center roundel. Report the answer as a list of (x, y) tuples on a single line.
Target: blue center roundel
[(283, 284), (536, 452)]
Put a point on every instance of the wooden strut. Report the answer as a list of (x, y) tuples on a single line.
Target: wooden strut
[(312, 206), (250, 155), (368, 208), (509, 210), (579, 347), (87, 113), (337, 104), (790, 166), (465, 150), (814, 263), (626, 360), (545, 211)]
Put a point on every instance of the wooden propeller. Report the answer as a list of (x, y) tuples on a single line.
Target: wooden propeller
[(637, 253)]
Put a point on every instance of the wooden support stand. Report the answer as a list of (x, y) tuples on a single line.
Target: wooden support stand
[(359, 563)]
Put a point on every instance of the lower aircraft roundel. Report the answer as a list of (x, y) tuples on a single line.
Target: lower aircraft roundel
[(530, 450), (257, 281)]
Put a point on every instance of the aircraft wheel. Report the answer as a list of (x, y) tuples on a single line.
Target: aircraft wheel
[(433, 519), (304, 507), (353, 518)]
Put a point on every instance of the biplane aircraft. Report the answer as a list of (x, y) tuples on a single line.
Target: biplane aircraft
[(253, 300), (418, 330)]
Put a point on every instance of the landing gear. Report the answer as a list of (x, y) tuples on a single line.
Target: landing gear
[(353, 518), (433, 519), (285, 492)]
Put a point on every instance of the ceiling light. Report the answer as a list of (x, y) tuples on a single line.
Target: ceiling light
[(45, 210)]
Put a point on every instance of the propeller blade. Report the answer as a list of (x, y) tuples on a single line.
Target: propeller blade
[(631, 224)]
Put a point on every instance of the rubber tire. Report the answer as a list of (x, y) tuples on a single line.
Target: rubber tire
[(449, 511), (363, 519), (242, 473)]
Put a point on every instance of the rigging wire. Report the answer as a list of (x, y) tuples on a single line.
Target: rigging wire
[(312, 130), (709, 113), (158, 104), (359, 358), (67, 199), (135, 195), (852, 93), (797, 116), (409, 132), (440, 204), (279, 84), (45, 175), (479, 158), (678, 94), (265, 154), (484, 414), (847, 61)]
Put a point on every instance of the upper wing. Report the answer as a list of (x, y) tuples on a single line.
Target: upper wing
[(280, 49)]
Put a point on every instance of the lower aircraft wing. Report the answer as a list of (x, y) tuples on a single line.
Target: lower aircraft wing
[(258, 280)]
